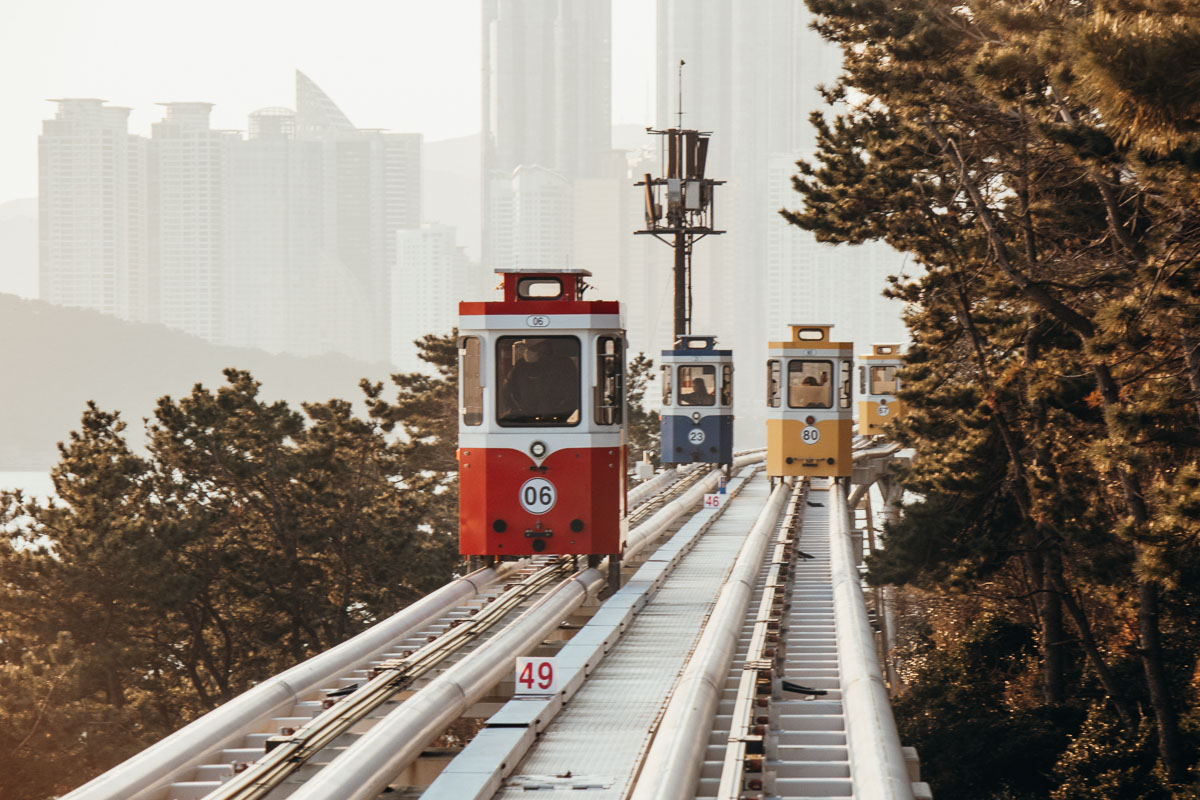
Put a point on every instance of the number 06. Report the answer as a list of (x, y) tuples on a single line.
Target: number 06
[(537, 495)]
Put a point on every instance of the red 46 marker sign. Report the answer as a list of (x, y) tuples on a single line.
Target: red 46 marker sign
[(536, 676)]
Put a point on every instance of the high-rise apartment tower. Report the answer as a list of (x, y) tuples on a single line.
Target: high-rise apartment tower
[(92, 211), (547, 86)]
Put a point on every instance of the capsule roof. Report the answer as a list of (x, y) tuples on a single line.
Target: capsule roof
[(810, 336), (544, 285), (554, 296), (696, 346), (883, 352), (534, 271)]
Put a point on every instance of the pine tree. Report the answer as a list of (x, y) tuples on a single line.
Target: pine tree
[(79, 580), (253, 536), (643, 425), (426, 411), (1037, 159)]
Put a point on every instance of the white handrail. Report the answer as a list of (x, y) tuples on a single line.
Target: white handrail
[(876, 761), (147, 774), (673, 763), (635, 495), (364, 770), (658, 524)]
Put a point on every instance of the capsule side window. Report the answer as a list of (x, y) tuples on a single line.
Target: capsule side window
[(610, 380), (666, 385), (470, 371), (883, 380), (846, 385), (697, 384), (537, 381), (809, 383), (773, 383), (726, 385)]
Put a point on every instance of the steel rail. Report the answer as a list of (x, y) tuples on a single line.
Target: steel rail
[(878, 770), (684, 480), (745, 752), (661, 521), (668, 478), (647, 488), (147, 774), (672, 765), (503, 744), (366, 768), (292, 752)]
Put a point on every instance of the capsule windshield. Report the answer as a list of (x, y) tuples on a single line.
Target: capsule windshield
[(883, 380), (809, 385), (696, 385), (538, 380)]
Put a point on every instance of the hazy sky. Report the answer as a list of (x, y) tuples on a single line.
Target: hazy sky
[(403, 65)]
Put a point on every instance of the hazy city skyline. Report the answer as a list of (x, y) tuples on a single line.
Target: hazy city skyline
[(242, 57), (552, 186)]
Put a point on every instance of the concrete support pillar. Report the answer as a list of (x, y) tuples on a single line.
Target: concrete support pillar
[(892, 493)]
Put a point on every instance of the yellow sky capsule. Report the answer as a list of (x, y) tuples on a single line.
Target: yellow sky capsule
[(878, 384), (810, 414)]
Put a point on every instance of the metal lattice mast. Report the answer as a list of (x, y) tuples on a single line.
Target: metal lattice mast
[(687, 216)]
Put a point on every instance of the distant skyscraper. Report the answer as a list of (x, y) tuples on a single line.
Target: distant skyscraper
[(541, 217), (547, 85), (547, 90), (700, 33), (190, 222), (401, 182), (634, 269), (276, 249), (317, 116), (429, 277), (283, 241), (92, 211), (371, 188)]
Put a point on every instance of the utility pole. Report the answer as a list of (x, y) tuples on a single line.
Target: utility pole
[(688, 210)]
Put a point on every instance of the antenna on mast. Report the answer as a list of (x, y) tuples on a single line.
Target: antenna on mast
[(687, 214), (680, 87)]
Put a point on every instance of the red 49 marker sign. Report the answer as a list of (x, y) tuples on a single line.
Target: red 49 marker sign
[(536, 676)]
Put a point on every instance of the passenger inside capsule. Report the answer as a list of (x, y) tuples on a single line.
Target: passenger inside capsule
[(808, 386), (539, 379), (698, 396), (698, 378)]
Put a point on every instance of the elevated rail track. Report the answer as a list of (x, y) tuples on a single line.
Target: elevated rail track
[(736, 660)]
